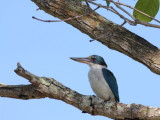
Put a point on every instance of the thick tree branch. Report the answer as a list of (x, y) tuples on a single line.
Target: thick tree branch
[(20, 92), (48, 87), (97, 27)]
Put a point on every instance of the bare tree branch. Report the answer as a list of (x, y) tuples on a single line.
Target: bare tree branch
[(108, 33), (48, 87), (23, 92)]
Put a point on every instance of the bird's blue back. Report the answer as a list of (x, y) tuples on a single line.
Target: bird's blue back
[(111, 80)]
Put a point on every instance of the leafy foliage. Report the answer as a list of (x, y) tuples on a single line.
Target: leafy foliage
[(149, 7)]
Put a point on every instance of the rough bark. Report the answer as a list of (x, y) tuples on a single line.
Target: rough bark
[(41, 87), (108, 33)]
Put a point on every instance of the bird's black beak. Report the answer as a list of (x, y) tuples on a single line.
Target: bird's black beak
[(82, 60)]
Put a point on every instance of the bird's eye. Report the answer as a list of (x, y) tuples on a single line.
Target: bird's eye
[(93, 58)]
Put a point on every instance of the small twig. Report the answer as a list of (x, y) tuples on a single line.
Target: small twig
[(67, 19), (114, 11), (37, 9), (148, 24), (124, 18), (124, 22), (88, 4), (118, 6), (135, 22), (138, 11), (70, 18), (91, 40), (95, 39)]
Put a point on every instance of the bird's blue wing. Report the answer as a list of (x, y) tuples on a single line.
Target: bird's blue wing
[(111, 80)]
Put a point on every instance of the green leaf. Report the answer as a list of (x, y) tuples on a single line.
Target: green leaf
[(149, 7)]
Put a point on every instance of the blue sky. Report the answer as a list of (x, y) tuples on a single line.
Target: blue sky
[(44, 49)]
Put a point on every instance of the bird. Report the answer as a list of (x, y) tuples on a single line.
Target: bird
[(102, 80)]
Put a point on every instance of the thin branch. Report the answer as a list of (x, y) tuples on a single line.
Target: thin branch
[(147, 24), (124, 18), (88, 4), (64, 20), (138, 11), (115, 12), (70, 18), (123, 23), (135, 22), (123, 10)]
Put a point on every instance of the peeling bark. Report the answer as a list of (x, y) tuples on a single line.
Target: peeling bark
[(41, 87), (24, 92), (108, 33)]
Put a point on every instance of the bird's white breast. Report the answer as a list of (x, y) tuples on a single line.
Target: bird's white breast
[(99, 84)]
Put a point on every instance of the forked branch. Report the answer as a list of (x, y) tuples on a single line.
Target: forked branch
[(108, 33), (42, 87), (134, 21)]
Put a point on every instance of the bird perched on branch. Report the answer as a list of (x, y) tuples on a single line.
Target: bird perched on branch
[(101, 79)]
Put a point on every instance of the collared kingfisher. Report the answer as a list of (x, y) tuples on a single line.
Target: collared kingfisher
[(101, 79)]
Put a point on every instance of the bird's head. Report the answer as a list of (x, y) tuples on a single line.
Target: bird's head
[(91, 60)]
